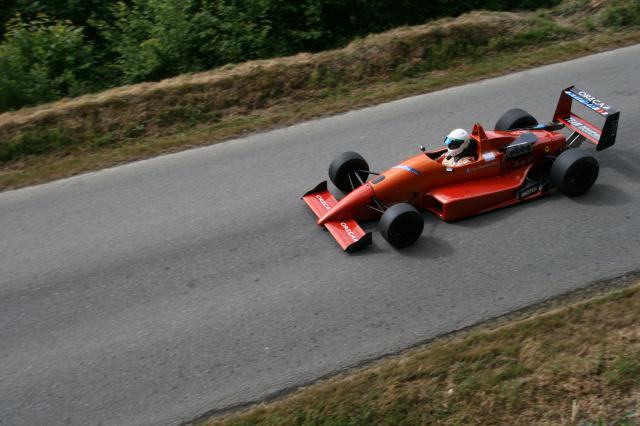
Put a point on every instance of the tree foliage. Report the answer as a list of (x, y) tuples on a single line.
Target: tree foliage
[(54, 48), (43, 60)]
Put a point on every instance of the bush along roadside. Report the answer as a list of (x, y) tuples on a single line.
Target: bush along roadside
[(138, 121), (50, 49)]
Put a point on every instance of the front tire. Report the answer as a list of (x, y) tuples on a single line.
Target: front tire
[(345, 169), (574, 172), (515, 119), (401, 225)]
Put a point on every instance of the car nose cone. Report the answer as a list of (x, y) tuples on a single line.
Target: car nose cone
[(346, 207)]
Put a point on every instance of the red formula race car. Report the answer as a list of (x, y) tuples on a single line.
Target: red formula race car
[(519, 160)]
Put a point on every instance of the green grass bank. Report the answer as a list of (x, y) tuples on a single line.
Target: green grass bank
[(574, 365), (133, 122)]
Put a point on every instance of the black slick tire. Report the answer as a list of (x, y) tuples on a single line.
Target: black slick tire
[(344, 168), (401, 225), (574, 172), (515, 119)]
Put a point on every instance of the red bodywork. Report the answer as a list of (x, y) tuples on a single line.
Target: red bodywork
[(492, 181)]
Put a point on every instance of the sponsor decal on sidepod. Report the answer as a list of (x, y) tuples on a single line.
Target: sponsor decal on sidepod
[(525, 193)]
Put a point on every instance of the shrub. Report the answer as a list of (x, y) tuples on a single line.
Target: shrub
[(42, 60), (131, 41), (621, 14), (150, 39), (154, 39), (35, 142)]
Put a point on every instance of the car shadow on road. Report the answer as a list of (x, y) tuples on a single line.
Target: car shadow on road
[(429, 247), (371, 249), (603, 195), (426, 247), (598, 195), (622, 161)]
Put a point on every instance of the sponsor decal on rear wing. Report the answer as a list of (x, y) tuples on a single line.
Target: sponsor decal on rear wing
[(588, 100), (602, 138)]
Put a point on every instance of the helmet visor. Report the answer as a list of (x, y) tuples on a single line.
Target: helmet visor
[(452, 143)]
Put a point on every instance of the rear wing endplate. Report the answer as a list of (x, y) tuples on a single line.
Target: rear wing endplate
[(602, 138)]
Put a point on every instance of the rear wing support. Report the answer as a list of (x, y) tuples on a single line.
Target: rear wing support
[(602, 138)]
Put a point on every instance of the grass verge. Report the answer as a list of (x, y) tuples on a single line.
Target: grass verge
[(574, 365), (130, 123)]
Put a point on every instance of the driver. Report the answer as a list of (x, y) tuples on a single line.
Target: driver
[(460, 151)]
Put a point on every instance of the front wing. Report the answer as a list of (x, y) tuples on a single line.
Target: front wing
[(347, 233)]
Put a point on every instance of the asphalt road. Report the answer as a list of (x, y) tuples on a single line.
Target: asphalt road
[(152, 292)]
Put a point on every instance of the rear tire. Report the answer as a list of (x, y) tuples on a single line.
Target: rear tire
[(574, 172), (342, 171), (401, 225), (515, 119)]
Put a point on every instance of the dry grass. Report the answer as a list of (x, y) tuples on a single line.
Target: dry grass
[(252, 85), (577, 365), (128, 123)]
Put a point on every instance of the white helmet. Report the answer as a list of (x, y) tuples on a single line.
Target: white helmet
[(457, 141)]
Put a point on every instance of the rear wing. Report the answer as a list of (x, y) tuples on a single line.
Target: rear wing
[(602, 137)]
